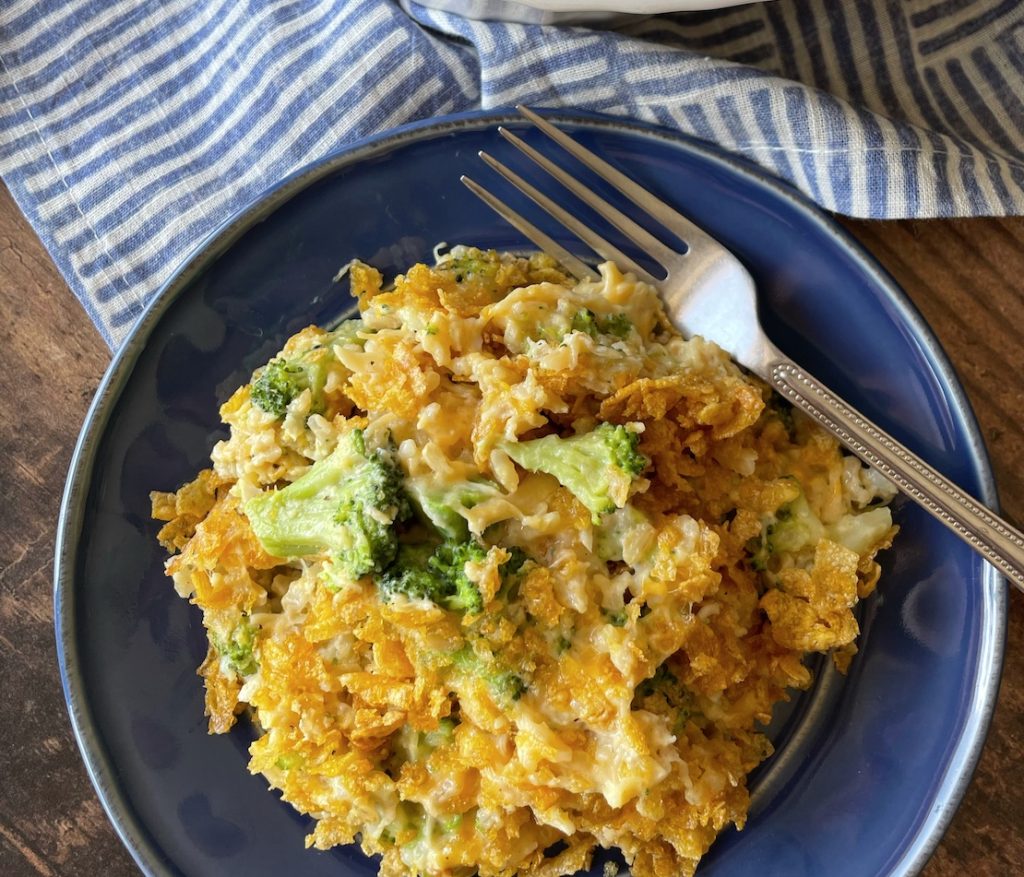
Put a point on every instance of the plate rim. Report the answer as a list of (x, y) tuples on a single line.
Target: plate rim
[(100, 766)]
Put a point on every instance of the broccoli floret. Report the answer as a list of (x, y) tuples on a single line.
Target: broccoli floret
[(282, 379), (507, 687), (610, 535), (663, 680), (664, 694), (407, 828), (467, 263), (418, 745), (616, 618), (348, 332), (418, 835), (597, 467), (410, 575), (585, 321), (347, 505), (372, 499), (448, 562), (237, 648), (617, 325), (511, 568), (796, 527), (513, 571), (276, 386), (438, 573), (793, 527), (435, 573), (443, 506)]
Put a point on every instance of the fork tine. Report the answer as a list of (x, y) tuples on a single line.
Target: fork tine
[(639, 235), (667, 216), (593, 240), (579, 269)]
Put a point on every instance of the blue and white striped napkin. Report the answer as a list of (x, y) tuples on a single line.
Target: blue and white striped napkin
[(129, 129)]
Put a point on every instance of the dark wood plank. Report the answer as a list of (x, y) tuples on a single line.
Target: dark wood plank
[(967, 277), (52, 359)]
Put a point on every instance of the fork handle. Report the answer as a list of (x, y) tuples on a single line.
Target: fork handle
[(997, 541)]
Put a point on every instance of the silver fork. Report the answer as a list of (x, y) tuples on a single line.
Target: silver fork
[(708, 292)]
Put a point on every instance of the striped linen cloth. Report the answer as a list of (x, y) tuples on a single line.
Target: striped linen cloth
[(129, 129)]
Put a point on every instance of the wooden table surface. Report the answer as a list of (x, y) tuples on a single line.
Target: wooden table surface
[(966, 276)]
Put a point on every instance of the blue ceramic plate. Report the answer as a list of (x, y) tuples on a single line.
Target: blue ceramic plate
[(869, 768)]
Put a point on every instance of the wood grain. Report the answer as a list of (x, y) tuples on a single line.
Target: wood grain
[(51, 360), (967, 278)]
